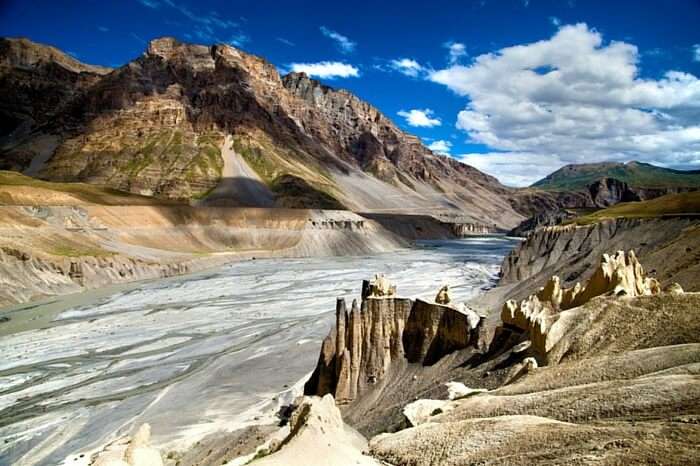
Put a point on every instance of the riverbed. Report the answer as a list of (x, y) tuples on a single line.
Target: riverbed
[(196, 354)]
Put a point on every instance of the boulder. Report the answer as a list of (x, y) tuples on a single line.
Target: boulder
[(420, 411), (674, 289), (457, 390), (443, 296)]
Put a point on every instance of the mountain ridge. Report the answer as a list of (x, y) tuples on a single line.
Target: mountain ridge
[(635, 174), (156, 126)]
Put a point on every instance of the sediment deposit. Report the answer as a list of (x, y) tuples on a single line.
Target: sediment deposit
[(56, 250)]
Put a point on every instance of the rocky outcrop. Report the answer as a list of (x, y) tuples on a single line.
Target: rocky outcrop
[(618, 275), (317, 437), (382, 333), (544, 219), (620, 386), (669, 247), (556, 207), (610, 191), (464, 230)]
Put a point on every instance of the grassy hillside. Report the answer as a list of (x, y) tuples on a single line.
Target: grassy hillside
[(636, 174), (671, 204), (17, 189)]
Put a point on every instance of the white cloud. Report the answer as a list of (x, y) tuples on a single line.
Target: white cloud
[(514, 168), (440, 147), (456, 51), (555, 21), (326, 69), (102, 29), (286, 41), (573, 98), (344, 44), (696, 52), (420, 118), (407, 66)]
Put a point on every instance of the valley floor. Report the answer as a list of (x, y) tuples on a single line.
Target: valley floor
[(196, 355)]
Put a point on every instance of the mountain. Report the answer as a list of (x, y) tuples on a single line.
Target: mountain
[(217, 126), (635, 174)]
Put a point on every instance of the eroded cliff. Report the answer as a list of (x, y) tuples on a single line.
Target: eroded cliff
[(55, 250)]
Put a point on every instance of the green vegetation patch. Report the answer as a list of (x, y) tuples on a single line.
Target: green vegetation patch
[(671, 204), (93, 194), (636, 174)]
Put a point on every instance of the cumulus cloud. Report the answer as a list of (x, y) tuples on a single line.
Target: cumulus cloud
[(555, 21), (326, 69), (407, 66), (574, 98), (420, 118), (440, 147), (456, 50), (696, 52), (344, 44)]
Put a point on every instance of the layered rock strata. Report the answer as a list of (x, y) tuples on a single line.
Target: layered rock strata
[(383, 333), (47, 251), (670, 248), (167, 124)]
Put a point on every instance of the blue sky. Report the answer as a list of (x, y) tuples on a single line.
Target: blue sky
[(515, 87)]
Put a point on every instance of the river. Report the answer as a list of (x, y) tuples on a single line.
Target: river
[(196, 354)]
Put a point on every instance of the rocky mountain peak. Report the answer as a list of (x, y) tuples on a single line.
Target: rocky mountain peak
[(162, 46), (195, 57), (177, 102), (25, 54)]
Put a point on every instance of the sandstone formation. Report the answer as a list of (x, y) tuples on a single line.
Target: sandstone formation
[(134, 451), (669, 247), (381, 336), (379, 287), (443, 296), (618, 275), (622, 387), (317, 437)]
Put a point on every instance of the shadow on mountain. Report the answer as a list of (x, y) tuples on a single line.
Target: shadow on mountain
[(239, 192)]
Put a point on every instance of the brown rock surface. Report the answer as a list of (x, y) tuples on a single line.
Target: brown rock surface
[(156, 126), (381, 336)]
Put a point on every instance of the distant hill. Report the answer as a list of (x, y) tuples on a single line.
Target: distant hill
[(671, 204), (635, 174)]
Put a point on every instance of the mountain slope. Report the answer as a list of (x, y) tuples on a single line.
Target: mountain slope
[(157, 126), (635, 174)]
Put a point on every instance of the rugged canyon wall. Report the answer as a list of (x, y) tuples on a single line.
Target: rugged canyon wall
[(375, 340), (55, 250), (618, 275), (669, 246)]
